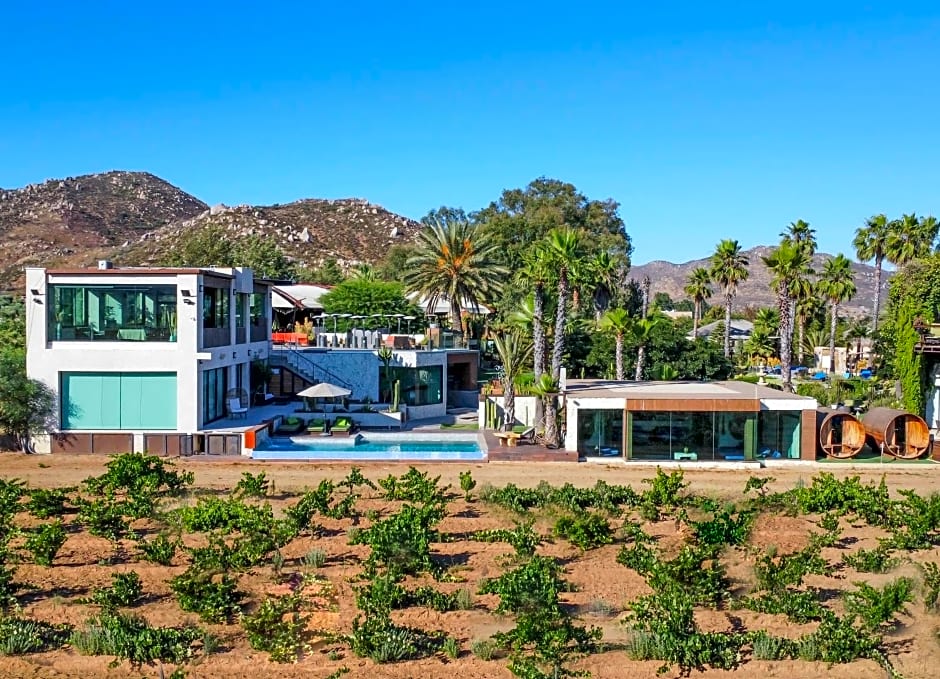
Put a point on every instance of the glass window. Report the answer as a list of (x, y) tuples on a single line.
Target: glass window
[(214, 386), (778, 435), (650, 436), (600, 433), (691, 435), (419, 386), (215, 308), (112, 313)]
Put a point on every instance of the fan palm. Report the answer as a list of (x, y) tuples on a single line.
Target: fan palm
[(698, 287), (871, 243), (642, 333), (537, 272), (788, 263), (514, 350), (806, 307), (800, 234), (619, 323), (457, 261), (547, 388), (837, 284), (562, 252), (729, 269), (909, 238), (604, 271)]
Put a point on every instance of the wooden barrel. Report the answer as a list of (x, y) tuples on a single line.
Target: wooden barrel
[(839, 434), (897, 433)]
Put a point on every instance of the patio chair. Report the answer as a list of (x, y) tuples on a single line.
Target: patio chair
[(236, 409), (316, 426), (341, 425)]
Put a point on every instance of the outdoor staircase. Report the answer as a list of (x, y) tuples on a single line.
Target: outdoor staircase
[(304, 368)]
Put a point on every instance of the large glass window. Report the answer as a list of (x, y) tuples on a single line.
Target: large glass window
[(419, 386), (691, 435), (214, 386), (112, 313), (259, 329), (600, 433), (118, 400), (778, 434), (215, 303)]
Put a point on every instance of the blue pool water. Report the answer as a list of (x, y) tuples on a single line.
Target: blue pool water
[(372, 447)]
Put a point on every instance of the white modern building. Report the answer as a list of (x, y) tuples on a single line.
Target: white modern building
[(142, 351)]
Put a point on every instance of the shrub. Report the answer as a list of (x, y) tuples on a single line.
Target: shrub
[(252, 485), (214, 599), (877, 607), (776, 575), (45, 541), (931, 573), (278, 627), (140, 479), (160, 550), (522, 538), (378, 638), (484, 649), (125, 590), (585, 530), (315, 558), (45, 503), (402, 542), (724, 529), (19, 636), (467, 484), (414, 486), (451, 648), (131, 638), (878, 560)]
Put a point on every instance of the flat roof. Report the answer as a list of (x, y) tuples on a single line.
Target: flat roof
[(728, 390), (137, 271)]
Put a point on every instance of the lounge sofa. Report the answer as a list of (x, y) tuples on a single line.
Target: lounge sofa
[(342, 425), (290, 425), (316, 426)]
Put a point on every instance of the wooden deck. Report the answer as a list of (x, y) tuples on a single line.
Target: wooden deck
[(524, 452)]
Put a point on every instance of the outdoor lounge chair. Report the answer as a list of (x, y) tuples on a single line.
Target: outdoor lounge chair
[(236, 409), (341, 425), (290, 425), (316, 426)]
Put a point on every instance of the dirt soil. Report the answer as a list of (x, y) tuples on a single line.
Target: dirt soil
[(603, 587)]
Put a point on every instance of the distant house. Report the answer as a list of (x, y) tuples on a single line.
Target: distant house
[(740, 330)]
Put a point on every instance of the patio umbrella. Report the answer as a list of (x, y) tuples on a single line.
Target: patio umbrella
[(324, 390)]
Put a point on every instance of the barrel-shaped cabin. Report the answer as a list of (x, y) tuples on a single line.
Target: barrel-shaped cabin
[(896, 433), (839, 433)]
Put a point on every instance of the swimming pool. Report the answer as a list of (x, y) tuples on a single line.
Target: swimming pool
[(374, 446)]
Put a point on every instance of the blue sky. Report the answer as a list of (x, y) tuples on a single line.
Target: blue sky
[(704, 120)]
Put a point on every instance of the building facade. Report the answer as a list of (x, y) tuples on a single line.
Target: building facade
[(140, 351)]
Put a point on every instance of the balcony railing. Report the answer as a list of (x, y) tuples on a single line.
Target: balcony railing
[(216, 337)]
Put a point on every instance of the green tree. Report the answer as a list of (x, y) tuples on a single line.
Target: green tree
[(327, 273), (909, 238), (789, 265), (394, 265), (537, 272), (365, 298), (27, 406), (12, 323), (800, 234), (563, 252), (698, 288), (514, 350), (605, 273), (455, 260), (871, 243), (215, 245), (263, 257), (619, 323), (728, 270), (837, 285), (760, 345), (642, 332)]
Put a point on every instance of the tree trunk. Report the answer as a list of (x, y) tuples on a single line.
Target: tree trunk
[(786, 336), (455, 324), (728, 299), (538, 330), (640, 358), (618, 355), (509, 405), (561, 317), (551, 420), (646, 296), (802, 332), (832, 337), (876, 309), (696, 316)]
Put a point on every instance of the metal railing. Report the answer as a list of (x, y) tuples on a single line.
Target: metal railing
[(317, 373)]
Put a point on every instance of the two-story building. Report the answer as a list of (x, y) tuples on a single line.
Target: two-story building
[(138, 357)]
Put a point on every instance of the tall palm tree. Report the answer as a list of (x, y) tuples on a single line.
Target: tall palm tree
[(802, 235), (871, 243), (562, 252), (768, 319), (642, 332), (806, 306), (698, 287), (909, 238), (619, 323), (604, 271), (837, 284), (455, 260), (514, 350), (536, 271), (729, 269), (788, 263)]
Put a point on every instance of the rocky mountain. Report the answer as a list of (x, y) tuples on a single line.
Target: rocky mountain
[(135, 218), (76, 219), (352, 230), (755, 291)]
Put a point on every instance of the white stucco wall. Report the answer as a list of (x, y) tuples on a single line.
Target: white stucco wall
[(573, 405), (525, 410)]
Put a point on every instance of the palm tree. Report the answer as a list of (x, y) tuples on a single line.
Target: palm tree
[(767, 319), (698, 287), (806, 307), (800, 234), (909, 238), (837, 284), (871, 243), (858, 331), (619, 323), (604, 271), (642, 333), (546, 387), (514, 350), (729, 269), (788, 263), (537, 272), (454, 260), (562, 252)]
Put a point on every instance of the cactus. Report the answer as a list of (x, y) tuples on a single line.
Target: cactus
[(396, 396)]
